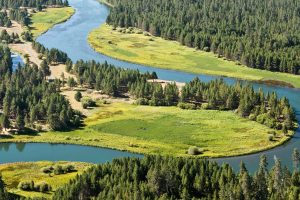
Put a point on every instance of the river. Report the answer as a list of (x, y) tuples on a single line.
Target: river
[(71, 37)]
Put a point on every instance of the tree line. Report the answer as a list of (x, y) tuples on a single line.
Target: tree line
[(20, 15), (109, 79), (53, 55), (7, 39), (266, 109), (259, 34), (27, 99), (31, 3), (156, 177)]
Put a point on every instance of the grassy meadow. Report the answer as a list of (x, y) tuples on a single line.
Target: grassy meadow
[(155, 51), (43, 21), (14, 173), (165, 130)]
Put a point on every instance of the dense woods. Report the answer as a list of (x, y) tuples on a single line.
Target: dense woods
[(31, 3), (109, 79), (28, 100), (155, 177), (259, 34)]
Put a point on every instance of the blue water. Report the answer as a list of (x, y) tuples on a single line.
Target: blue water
[(11, 152), (17, 60), (71, 37)]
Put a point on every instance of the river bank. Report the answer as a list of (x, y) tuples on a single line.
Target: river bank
[(136, 46)]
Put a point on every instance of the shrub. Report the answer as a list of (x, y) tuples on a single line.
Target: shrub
[(207, 49), (67, 138), (252, 117), (58, 170), (78, 96), (26, 185), (43, 187), (68, 168), (88, 102), (271, 137), (187, 106), (204, 106), (142, 101), (47, 170), (194, 151)]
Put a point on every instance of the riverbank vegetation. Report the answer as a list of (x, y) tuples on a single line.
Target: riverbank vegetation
[(134, 46), (156, 177), (19, 177), (46, 19), (237, 30)]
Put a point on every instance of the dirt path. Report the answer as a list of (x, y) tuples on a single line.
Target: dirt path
[(165, 82), (95, 95), (15, 28)]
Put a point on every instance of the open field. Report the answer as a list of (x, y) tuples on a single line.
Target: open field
[(165, 130), (13, 173), (43, 21), (155, 51)]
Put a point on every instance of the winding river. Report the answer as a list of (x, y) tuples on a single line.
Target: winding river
[(71, 37)]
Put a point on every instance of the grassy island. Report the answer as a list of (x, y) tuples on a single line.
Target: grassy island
[(43, 21), (138, 47), (166, 131)]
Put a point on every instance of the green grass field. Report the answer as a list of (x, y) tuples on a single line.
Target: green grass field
[(43, 21), (166, 131), (155, 51), (14, 173)]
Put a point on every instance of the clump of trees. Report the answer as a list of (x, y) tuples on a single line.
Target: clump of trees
[(20, 15), (6, 38), (156, 177), (259, 34), (52, 56), (4, 20), (107, 78), (59, 169), (31, 186)]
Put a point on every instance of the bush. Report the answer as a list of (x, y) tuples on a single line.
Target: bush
[(58, 170), (252, 117), (207, 49), (47, 170), (271, 137), (194, 151), (88, 102), (68, 168), (43, 187), (142, 101), (26, 185), (78, 96), (187, 106)]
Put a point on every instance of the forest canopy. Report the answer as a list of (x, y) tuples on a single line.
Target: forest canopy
[(155, 177), (259, 34)]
